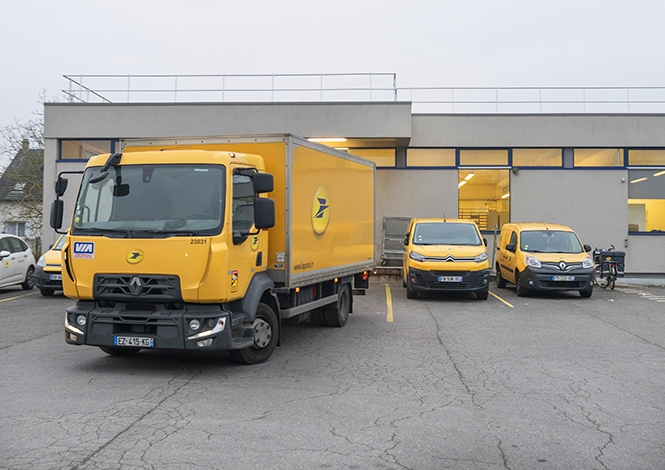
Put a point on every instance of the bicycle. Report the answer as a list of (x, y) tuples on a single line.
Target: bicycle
[(607, 266)]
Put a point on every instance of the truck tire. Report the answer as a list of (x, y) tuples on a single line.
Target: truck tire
[(120, 352), (338, 315), (519, 287), (266, 330), (317, 317), (410, 293), (46, 292)]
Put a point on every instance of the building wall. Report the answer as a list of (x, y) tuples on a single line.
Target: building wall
[(592, 201)]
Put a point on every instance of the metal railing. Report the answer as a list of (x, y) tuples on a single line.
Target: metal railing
[(361, 87)]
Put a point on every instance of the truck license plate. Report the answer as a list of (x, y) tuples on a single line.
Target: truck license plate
[(55, 277), (563, 278), (450, 278), (134, 341)]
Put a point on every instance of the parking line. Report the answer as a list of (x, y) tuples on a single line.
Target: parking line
[(499, 298), (17, 297), (389, 303)]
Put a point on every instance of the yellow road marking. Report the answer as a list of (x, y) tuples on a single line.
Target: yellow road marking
[(17, 297), (499, 298), (389, 303)]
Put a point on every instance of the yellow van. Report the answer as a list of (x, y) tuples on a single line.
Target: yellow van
[(545, 257), (445, 255)]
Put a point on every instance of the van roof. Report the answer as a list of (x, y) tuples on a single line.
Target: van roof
[(540, 226)]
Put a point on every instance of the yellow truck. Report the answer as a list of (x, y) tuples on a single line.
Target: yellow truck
[(212, 244)]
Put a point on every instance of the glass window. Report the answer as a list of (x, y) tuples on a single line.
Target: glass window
[(598, 157), (83, 149), (483, 157), (537, 157), (430, 157), (646, 201), (646, 157), (484, 197), (243, 203), (382, 157), (15, 228), (550, 241)]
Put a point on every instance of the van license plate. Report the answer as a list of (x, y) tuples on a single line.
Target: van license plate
[(450, 278), (55, 277), (563, 278), (134, 341)]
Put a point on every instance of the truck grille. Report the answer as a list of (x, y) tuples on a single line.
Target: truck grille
[(136, 287)]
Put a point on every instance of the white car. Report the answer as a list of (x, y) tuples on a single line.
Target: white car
[(17, 263)]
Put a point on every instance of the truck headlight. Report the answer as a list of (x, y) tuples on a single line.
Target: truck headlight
[(532, 261), (587, 263), (416, 256), (481, 257)]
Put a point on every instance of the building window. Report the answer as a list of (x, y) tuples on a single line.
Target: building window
[(15, 228), (483, 157), (430, 157), (646, 158), (84, 149), (537, 157), (598, 157), (382, 157), (646, 201), (484, 197)]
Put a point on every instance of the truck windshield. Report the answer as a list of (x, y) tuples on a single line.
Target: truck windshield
[(550, 241), (152, 201), (444, 233)]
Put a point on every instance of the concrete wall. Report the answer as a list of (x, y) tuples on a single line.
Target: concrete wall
[(355, 120), (538, 130)]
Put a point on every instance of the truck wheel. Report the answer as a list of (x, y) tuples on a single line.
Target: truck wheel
[(585, 294), (317, 317), (482, 295), (340, 314), (120, 352), (265, 338), (46, 292)]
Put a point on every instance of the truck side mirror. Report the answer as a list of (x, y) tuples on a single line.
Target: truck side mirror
[(264, 212), (263, 182), (510, 247), (406, 239), (587, 248), (60, 186), (57, 209)]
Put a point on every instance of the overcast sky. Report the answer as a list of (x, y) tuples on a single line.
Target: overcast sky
[(427, 43)]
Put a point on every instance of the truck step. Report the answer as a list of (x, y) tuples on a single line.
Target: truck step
[(241, 343)]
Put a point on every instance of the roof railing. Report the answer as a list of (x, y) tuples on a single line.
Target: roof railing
[(361, 87)]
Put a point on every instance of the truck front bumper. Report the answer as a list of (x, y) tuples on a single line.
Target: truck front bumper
[(448, 281), (151, 326)]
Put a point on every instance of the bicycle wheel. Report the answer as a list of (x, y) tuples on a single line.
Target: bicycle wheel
[(612, 276)]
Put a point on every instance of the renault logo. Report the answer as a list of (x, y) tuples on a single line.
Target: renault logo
[(562, 266), (135, 285)]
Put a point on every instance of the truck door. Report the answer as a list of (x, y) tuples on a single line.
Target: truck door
[(246, 254)]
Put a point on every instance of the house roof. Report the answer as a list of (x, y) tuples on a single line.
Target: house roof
[(23, 177)]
